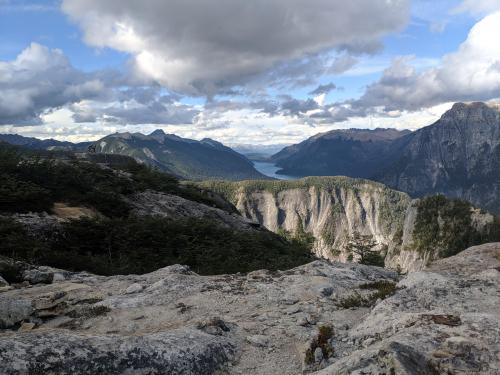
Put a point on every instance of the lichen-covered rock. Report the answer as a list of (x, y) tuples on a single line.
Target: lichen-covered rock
[(41, 275), (444, 319), (62, 352), (152, 203), (3, 282), (14, 310), (11, 270)]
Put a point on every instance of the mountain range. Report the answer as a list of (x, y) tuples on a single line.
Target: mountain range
[(458, 155), (185, 158), (182, 157), (43, 144)]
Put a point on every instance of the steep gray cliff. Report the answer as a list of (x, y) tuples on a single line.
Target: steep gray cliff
[(458, 155), (333, 209)]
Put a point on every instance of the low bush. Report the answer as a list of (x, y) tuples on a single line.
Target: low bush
[(384, 289), (140, 245), (33, 181), (322, 341)]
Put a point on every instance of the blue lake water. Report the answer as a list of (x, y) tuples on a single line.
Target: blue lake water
[(270, 169)]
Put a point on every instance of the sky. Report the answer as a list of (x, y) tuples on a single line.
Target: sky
[(243, 72)]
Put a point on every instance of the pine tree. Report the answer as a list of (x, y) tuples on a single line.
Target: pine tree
[(362, 245)]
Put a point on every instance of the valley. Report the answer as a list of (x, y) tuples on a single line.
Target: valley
[(408, 232), (457, 156), (264, 187)]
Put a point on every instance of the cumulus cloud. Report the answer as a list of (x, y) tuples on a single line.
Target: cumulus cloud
[(470, 73), (134, 111), (40, 79), (201, 47)]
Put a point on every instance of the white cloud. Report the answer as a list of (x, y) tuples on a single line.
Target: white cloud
[(470, 73), (38, 80), (41, 80), (478, 6), (200, 47)]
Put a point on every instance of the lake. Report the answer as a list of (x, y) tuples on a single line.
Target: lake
[(270, 169)]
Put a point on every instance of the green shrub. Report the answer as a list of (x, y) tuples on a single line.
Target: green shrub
[(384, 289), (141, 245), (15, 241), (444, 227), (22, 196), (353, 300), (33, 181), (325, 333)]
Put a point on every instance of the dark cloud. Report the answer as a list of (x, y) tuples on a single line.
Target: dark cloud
[(297, 106), (41, 80), (202, 47), (134, 107), (341, 64), (323, 89)]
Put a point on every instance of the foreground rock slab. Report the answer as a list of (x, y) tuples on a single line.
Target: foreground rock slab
[(322, 317)]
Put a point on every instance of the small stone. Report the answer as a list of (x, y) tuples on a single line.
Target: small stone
[(441, 354), (318, 355), (258, 340), (213, 326), (36, 276), (368, 342), (293, 310), (134, 288), (302, 321), (289, 301), (26, 327), (3, 282)]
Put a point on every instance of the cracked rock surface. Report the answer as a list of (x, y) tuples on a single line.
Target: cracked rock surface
[(324, 318)]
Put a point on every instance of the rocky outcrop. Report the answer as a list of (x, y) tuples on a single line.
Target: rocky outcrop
[(332, 209), (333, 318), (444, 320), (458, 155), (152, 203)]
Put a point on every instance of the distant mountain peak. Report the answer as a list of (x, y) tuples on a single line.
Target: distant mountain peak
[(211, 141), (157, 132), (158, 135), (363, 134), (476, 109)]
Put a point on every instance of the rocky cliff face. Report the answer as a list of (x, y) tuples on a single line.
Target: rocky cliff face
[(322, 318), (459, 156), (332, 209)]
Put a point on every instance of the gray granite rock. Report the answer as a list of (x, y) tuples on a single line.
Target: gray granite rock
[(441, 320)]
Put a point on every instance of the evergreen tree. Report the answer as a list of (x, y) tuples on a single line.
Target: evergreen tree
[(362, 245)]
